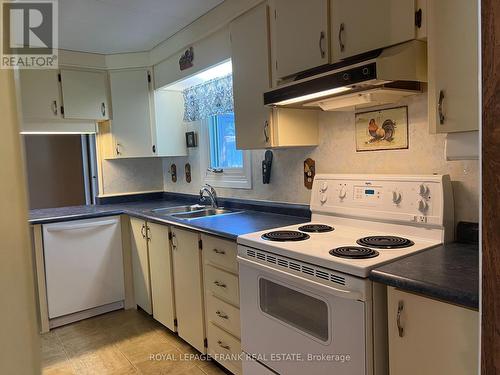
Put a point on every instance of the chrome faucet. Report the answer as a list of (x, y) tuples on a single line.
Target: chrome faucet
[(212, 194)]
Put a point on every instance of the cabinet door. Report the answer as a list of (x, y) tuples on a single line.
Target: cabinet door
[(453, 58), (140, 265), (299, 35), (170, 129), (160, 263), (364, 25), (188, 287), (437, 338), (251, 78), (84, 95), (40, 94), (131, 125)]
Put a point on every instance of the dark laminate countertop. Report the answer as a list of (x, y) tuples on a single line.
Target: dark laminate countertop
[(228, 226), (448, 272)]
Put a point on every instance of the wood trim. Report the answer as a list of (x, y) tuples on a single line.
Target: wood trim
[(490, 335), (40, 278)]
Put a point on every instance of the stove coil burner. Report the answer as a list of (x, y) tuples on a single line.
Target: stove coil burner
[(354, 252), (316, 228), (285, 235), (385, 242)]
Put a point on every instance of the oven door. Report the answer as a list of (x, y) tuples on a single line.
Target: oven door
[(298, 326)]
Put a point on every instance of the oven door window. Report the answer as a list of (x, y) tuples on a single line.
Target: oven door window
[(302, 311)]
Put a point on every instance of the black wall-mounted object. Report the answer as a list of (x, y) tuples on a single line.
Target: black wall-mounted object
[(266, 167), (187, 172), (173, 172), (309, 172), (191, 139)]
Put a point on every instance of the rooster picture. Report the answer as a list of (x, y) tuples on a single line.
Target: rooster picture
[(384, 132)]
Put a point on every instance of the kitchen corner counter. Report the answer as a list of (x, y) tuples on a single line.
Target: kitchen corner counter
[(229, 226), (449, 272)]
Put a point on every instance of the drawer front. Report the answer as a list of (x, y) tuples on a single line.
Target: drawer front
[(220, 252), (224, 315), (222, 284), (225, 348)]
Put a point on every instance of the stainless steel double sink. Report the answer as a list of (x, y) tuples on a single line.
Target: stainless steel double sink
[(192, 212)]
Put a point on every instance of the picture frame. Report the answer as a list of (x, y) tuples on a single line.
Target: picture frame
[(191, 139), (382, 129)]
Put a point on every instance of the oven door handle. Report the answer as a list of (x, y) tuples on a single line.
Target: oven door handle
[(348, 294)]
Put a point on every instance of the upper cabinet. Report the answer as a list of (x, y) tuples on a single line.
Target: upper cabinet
[(169, 130), (299, 31), (131, 102), (359, 26), (258, 126), (453, 60), (40, 94), (84, 94)]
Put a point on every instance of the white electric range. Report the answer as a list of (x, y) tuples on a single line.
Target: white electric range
[(306, 303)]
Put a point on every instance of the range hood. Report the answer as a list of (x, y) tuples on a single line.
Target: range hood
[(382, 77)]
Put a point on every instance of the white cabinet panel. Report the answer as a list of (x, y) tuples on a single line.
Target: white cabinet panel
[(364, 25), (437, 338), (188, 287), (140, 265), (84, 94), (169, 126), (40, 94), (131, 124), (453, 63), (160, 262), (251, 78), (299, 35)]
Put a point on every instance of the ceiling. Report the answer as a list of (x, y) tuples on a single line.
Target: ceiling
[(120, 26)]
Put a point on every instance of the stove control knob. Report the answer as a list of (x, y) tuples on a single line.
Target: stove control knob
[(423, 206), (424, 190), (323, 187), (342, 192), (323, 198), (396, 197)]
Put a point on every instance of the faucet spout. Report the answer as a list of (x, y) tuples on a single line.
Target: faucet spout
[(211, 193)]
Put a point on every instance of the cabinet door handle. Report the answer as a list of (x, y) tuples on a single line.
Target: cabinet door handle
[(148, 233), (54, 107), (321, 39), (174, 241), (341, 37), (401, 329), (143, 230), (440, 107), (103, 109), (266, 135), (223, 346), (118, 149), (220, 252), (221, 315), (219, 284)]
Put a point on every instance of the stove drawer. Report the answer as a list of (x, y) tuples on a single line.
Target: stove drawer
[(222, 284), (223, 314), (219, 252), (225, 348)]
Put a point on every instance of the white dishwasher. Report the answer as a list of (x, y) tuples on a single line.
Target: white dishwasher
[(83, 268)]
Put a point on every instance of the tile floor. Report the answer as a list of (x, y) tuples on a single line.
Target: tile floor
[(119, 343)]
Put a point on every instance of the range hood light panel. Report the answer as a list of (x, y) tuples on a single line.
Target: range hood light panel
[(315, 95)]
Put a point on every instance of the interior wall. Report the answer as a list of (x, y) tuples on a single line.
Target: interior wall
[(54, 170), (336, 153)]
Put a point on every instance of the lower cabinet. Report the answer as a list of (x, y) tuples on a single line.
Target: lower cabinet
[(160, 266), (220, 271), (188, 288), (430, 337), (140, 265)]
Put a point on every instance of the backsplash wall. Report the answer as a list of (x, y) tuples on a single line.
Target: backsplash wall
[(336, 153)]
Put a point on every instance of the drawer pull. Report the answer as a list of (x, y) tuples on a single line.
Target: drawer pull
[(223, 346), (217, 251), (220, 284), (401, 330), (221, 315)]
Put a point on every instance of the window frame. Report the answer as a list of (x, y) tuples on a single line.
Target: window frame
[(236, 178)]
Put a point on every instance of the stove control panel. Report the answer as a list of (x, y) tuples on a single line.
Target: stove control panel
[(424, 200)]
